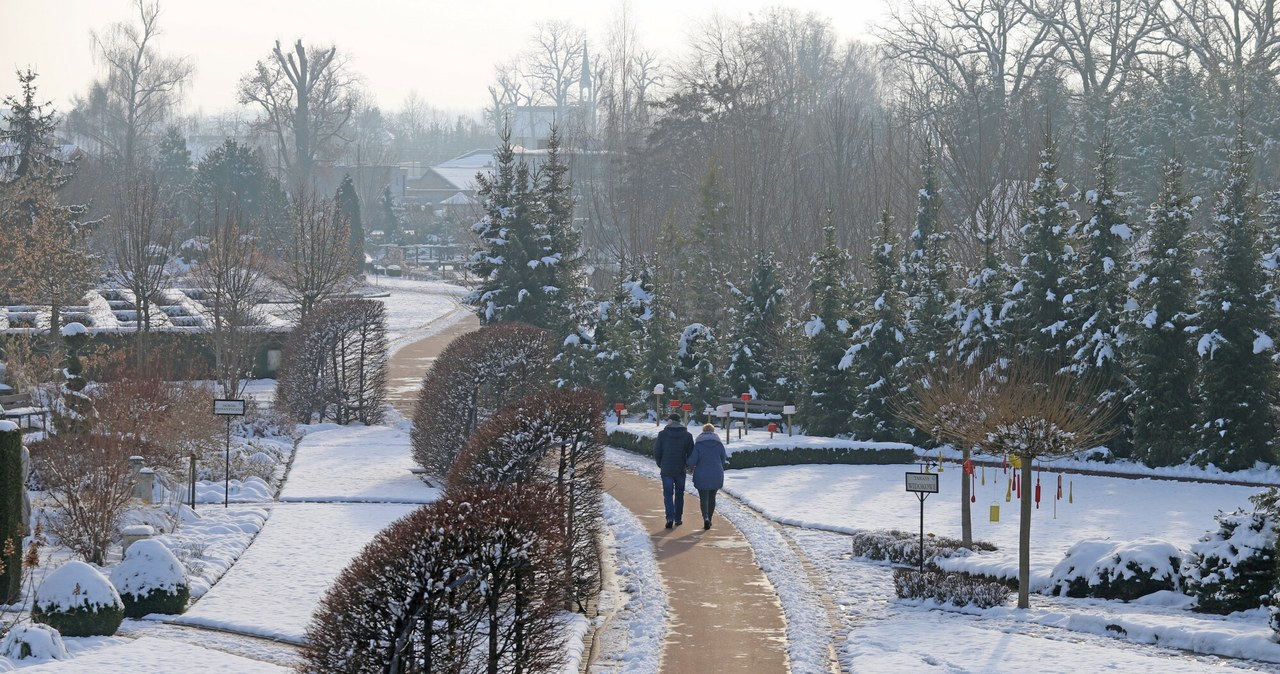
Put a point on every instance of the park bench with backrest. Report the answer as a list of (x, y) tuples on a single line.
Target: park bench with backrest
[(21, 406), (757, 410)]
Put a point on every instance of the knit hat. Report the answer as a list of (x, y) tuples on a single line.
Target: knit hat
[(673, 417), (709, 428)]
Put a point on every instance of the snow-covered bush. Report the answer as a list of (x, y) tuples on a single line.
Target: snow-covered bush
[(431, 589), (957, 589), (151, 580), (474, 376), (1109, 570), (78, 601), (901, 547), (34, 641), (1233, 569), (335, 364)]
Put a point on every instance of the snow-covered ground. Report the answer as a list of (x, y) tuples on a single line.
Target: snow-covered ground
[(148, 654), (631, 643), (416, 309), (370, 464)]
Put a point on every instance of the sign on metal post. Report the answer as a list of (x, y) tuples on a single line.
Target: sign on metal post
[(228, 408), (922, 484)]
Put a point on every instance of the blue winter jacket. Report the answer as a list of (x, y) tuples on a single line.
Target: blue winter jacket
[(708, 459), (672, 448)]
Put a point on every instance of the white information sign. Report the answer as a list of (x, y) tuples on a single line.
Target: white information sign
[(228, 408), (922, 482)]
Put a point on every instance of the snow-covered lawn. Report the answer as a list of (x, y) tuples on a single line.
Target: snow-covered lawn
[(415, 309), (155, 655), (275, 586), (368, 464)]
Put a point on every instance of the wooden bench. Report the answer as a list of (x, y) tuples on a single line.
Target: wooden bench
[(760, 410), (20, 406)]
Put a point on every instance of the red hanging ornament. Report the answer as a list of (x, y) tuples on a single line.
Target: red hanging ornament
[(1017, 486), (973, 488), (1037, 492), (968, 466), (1004, 463)]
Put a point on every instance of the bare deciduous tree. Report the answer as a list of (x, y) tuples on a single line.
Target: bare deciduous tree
[(141, 235), (307, 98), (233, 272), (316, 262), (140, 91)]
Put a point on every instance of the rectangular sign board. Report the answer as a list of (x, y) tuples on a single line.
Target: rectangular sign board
[(922, 482), (228, 408)]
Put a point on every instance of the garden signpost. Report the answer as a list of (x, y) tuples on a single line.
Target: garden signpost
[(235, 408), (922, 484)]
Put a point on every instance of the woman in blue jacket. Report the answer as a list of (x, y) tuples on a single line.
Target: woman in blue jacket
[(708, 458)]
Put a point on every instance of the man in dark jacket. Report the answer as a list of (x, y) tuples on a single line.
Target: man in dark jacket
[(670, 451)]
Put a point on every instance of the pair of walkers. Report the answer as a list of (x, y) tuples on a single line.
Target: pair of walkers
[(673, 451)]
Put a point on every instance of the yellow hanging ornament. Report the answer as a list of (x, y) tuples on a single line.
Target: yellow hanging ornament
[(939, 459), (1071, 491), (1015, 461), (1008, 492)]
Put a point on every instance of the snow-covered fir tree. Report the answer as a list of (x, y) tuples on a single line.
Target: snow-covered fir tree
[(1099, 333), (1042, 293), (980, 311), (927, 270), (1161, 353), (501, 259), (563, 262), (876, 357), (349, 203), (656, 346), (697, 380), (1236, 326), (752, 351), (620, 331), (703, 266), (825, 408)]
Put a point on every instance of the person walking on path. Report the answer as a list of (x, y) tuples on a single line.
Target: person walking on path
[(708, 458), (671, 451)]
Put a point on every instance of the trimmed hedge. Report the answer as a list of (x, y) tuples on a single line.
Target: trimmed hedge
[(12, 489), (773, 456), (901, 547), (157, 600), (957, 589)]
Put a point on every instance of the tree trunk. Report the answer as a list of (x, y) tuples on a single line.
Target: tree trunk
[(966, 510), (1024, 538)]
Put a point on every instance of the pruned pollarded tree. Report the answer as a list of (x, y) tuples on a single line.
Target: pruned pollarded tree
[(474, 376), (555, 437), (460, 585), (1027, 410), (335, 363), (307, 97)]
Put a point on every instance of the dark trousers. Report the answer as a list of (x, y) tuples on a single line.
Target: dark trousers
[(708, 499), (673, 496)]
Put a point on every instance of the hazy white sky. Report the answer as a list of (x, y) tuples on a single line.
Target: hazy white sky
[(443, 50)]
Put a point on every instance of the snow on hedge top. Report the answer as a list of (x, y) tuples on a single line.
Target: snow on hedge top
[(76, 585), (33, 641), (8, 427), (73, 328), (148, 565), (1088, 558)]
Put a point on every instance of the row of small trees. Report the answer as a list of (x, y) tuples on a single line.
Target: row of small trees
[(477, 580), (335, 364)]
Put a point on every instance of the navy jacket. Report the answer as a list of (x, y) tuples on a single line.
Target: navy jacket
[(671, 449), (708, 459)]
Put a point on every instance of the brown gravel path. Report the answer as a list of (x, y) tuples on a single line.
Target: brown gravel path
[(404, 372), (724, 615)]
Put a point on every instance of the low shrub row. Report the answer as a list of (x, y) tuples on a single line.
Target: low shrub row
[(956, 589), (901, 547)]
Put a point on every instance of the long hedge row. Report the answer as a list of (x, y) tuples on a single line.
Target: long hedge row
[(777, 456)]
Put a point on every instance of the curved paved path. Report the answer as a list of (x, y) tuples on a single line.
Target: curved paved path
[(725, 616)]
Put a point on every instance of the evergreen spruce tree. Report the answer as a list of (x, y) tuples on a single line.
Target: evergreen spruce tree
[(696, 381), (825, 410), (29, 131), (562, 261), (349, 204), (506, 290), (1237, 371), (1042, 292), (1162, 357), (754, 348), (927, 272), (981, 309), (619, 332), (1100, 300), (173, 162), (657, 341), (704, 263), (391, 215), (875, 359)]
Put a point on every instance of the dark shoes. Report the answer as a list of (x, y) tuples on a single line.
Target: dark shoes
[(706, 524), (669, 523), (679, 522)]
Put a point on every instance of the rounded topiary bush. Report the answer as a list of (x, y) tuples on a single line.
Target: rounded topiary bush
[(1109, 570), (78, 601), (151, 580), (33, 641), (1233, 569)]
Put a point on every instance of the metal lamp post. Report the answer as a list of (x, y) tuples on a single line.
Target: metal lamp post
[(658, 390)]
